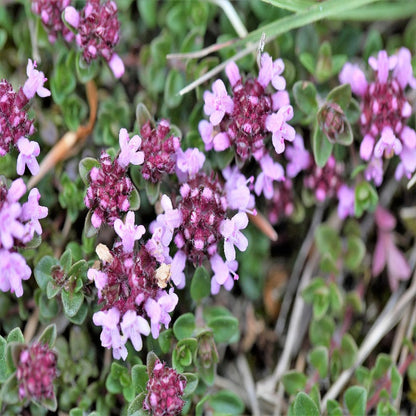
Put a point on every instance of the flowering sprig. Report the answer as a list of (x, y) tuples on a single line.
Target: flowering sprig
[(18, 225), (384, 112), (130, 284), (15, 125), (98, 32), (109, 186), (245, 120)]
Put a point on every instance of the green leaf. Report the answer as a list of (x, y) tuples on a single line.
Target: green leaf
[(321, 146), (42, 270), (165, 340), (328, 241), (309, 292), (174, 83), (355, 399), (78, 270), (86, 72), (366, 198), (113, 383), (52, 289), (66, 260), (152, 192), (184, 326), (9, 392), (348, 351), (134, 200), (341, 95), (80, 316), (226, 402), (71, 302), (212, 312), (335, 297), (50, 403), (191, 384), (355, 252), (320, 331), (200, 284), (89, 230), (16, 335), (364, 376), (85, 165), (63, 80), (48, 336), (183, 353), (151, 361), (294, 381), (148, 12), (383, 363), (308, 61), (4, 370), (333, 408), (139, 377), (224, 328), (305, 406), (318, 357), (305, 97), (335, 366), (143, 116), (292, 5), (321, 302), (136, 406), (396, 381)]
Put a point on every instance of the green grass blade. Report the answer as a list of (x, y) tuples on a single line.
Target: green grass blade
[(292, 5)]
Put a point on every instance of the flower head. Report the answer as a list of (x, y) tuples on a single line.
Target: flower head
[(36, 372), (165, 389)]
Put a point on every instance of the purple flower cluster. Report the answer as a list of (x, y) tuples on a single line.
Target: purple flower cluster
[(36, 372), (159, 150), (15, 125), (384, 112), (247, 119), (18, 225), (110, 187), (165, 389), (98, 32), (130, 286), (197, 220), (50, 12)]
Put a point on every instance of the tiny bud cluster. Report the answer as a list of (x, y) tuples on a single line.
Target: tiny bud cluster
[(36, 372), (165, 389)]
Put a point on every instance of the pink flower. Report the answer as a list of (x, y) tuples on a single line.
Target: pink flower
[(13, 269), (189, 162), (217, 103), (110, 335), (116, 65), (403, 71), (230, 230), (388, 143), (407, 163), (276, 123), (128, 232), (237, 190), (353, 75), (33, 212), (233, 73), (99, 278), (299, 158), (129, 152), (386, 252), (270, 172), (224, 273), (27, 156), (132, 326), (270, 71), (346, 198), (71, 16), (35, 81), (168, 221), (374, 171), (177, 268), (383, 64), (366, 147)]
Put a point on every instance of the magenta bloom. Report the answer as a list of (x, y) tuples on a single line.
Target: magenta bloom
[(189, 163), (13, 270), (224, 274), (346, 197), (217, 103), (282, 203), (384, 108), (160, 151), (129, 152), (36, 372), (27, 156), (165, 389), (271, 171), (244, 120), (299, 158), (50, 12), (237, 190), (98, 32), (230, 229), (386, 251), (35, 81), (128, 232)]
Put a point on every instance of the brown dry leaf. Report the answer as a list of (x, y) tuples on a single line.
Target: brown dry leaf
[(274, 287)]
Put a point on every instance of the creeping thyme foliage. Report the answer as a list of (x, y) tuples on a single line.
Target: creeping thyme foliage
[(197, 217)]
